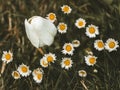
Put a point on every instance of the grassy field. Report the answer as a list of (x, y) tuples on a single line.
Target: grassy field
[(103, 13)]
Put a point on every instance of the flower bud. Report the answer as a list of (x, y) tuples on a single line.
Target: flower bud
[(40, 31)]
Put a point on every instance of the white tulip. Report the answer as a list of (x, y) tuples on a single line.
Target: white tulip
[(40, 31)]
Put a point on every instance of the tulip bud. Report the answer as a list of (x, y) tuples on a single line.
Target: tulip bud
[(40, 31)]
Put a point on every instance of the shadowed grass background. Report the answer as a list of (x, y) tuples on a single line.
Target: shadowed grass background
[(103, 13)]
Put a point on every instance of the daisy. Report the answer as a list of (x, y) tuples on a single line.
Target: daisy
[(24, 70), (82, 73), (66, 63), (44, 62), (62, 27), (76, 43), (15, 74), (50, 57), (66, 9), (95, 70), (68, 49), (80, 23), (51, 17), (92, 31), (7, 56), (88, 51), (90, 60), (99, 45), (38, 75), (111, 45)]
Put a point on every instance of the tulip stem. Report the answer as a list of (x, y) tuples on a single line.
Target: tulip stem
[(40, 50), (3, 68)]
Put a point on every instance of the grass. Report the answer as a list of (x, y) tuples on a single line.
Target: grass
[(103, 13)]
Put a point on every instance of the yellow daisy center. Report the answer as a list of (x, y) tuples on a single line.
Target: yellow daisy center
[(8, 56), (16, 74), (111, 44), (68, 48), (39, 76), (75, 42), (92, 30), (92, 60), (52, 16), (62, 27), (82, 72), (24, 69), (67, 62), (65, 8), (100, 44), (80, 23), (49, 58)]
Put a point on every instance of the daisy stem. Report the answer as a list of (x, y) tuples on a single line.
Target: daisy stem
[(82, 82), (40, 50), (3, 67)]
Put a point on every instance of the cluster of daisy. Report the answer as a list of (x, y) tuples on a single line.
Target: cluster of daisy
[(90, 60), (47, 59), (24, 71), (110, 45), (65, 9), (68, 48), (38, 75), (91, 30), (62, 27)]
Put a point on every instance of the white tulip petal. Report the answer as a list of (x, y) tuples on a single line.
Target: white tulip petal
[(34, 39), (47, 39), (51, 28), (40, 31), (42, 24)]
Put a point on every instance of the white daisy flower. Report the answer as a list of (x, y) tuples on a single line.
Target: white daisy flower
[(66, 63), (7, 56), (38, 75), (99, 45), (111, 45), (82, 73), (24, 70), (90, 60), (51, 17), (76, 43), (80, 23), (50, 57), (92, 31), (44, 62), (68, 49), (62, 28), (66, 9), (15, 74)]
